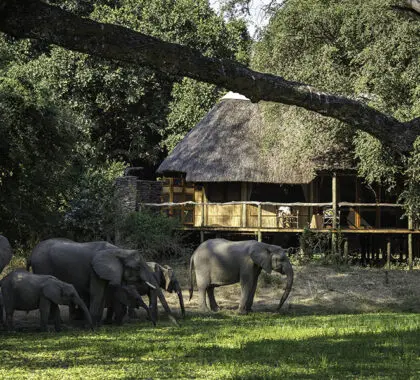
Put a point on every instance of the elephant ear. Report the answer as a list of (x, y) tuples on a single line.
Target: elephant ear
[(53, 292), (108, 267), (168, 272), (261, 256)]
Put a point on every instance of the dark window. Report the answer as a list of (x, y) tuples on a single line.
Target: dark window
[(268, 192)]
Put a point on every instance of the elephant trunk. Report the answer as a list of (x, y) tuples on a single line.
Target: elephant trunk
[(289, 274), (79, 302), (181, 299), (166, 306)]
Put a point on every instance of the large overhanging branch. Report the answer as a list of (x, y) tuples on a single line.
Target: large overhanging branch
[(38, 20)]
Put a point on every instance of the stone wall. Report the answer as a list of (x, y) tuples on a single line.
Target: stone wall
[(149, 191), (131, 191), (126, 194)]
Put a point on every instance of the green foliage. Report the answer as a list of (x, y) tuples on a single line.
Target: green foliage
[(127, 105), (302, 141), (90, 215), (224, 346), (68, 120), (311, 243), (376, 163), (411, 194), (191, 101), (364, 49), (153, 233), (39, 159)]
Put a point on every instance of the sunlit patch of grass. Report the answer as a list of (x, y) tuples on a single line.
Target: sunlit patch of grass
[(224, 346)]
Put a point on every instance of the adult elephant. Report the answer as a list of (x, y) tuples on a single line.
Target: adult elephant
[(220, 262), (5, 252), (91, 267)]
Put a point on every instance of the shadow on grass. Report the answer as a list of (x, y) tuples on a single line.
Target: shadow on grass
[(257, 345)]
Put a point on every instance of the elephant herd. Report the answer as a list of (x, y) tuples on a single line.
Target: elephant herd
[(92, 276)]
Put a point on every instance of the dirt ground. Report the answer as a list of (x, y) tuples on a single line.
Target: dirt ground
[(326, 290), (317, 289)]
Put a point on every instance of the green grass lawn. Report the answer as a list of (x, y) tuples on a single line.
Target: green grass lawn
[(224, 346)]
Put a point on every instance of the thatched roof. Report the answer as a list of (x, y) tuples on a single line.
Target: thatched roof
[(228, 145)]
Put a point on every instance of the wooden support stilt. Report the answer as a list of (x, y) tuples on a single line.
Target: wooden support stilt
[(388, 253), (410, 244), (346, 250), (334, 208)]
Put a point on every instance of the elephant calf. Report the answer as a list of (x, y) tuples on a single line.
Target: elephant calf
[(220, 262), (23, 290), (167, 280), (119, 298)]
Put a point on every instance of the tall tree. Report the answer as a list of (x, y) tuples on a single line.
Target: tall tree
[(42, 153), (127, 105), (359, 48), (35, 19)]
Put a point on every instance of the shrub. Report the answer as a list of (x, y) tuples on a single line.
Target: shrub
[(154, 233), (91, 212)]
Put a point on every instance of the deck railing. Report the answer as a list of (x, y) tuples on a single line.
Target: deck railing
[(291, 216)]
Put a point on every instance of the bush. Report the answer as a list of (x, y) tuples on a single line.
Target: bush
[(153, 233), (91, 212)]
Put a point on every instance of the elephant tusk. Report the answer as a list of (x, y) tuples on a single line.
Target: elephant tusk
[(151, 285)]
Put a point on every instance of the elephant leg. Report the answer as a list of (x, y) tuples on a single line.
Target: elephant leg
[(44, 309), (213, 304), (55, 312), (120, 311), (96, 309), (97, 299), (9, 319), (202, 286), (202, 301), (247, 285), (109, 315), (250, 299), (153, 304)]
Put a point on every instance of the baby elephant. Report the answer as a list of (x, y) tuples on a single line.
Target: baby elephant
[(167, 280), (119, 298), (23, 290)]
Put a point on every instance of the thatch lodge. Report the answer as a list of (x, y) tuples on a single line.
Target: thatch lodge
[(240, 171)]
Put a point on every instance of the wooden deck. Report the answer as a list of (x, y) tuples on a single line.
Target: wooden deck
[(258, 218), (270, 217)]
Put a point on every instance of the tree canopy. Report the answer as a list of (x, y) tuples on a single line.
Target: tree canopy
[(69, 121), (363, 49), (35, 19), (107, 86)]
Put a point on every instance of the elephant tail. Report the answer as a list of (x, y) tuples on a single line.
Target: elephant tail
[(191, 289)]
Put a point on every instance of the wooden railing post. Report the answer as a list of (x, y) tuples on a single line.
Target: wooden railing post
[(243, 222), (203, 208), (259, 222)]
